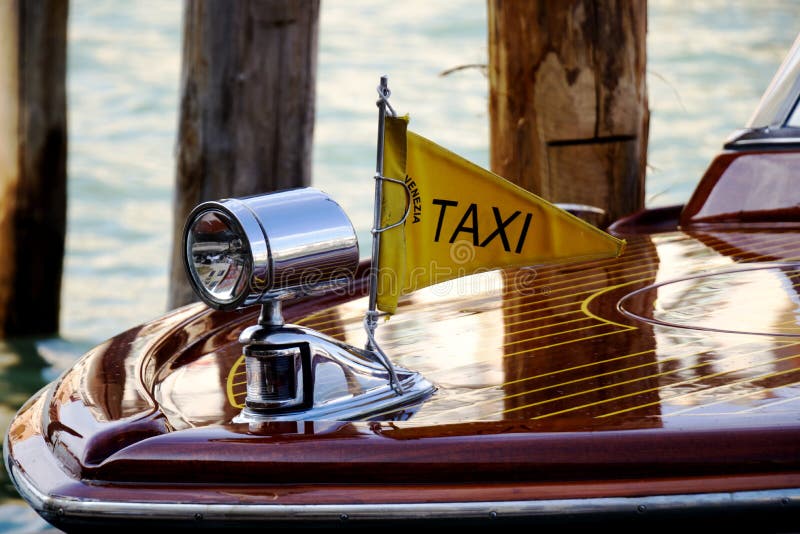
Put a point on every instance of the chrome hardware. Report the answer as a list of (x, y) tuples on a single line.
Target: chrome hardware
[(268, 248), (245, 251), (295, 373)]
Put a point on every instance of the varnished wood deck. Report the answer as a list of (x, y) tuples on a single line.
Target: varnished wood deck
[(550, 343)]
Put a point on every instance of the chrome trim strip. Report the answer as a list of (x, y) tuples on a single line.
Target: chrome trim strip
[(63, 507), (766, 141)]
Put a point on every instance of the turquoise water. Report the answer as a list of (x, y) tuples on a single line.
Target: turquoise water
[(707, 66)]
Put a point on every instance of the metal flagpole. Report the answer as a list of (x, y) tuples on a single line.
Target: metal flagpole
[(371, 318), (372, 313)]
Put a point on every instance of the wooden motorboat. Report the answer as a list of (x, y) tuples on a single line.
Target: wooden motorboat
[(660, 388)]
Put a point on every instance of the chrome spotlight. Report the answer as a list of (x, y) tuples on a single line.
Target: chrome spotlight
[(268, 248), (251, 250)]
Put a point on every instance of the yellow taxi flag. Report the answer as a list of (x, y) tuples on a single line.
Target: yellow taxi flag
[(463, 219)]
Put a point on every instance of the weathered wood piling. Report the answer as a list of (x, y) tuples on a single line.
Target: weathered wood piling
[(33, 164), (568, 99)]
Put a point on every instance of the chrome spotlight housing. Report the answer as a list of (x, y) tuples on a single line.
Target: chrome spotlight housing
[(268, 248), (245, 251)]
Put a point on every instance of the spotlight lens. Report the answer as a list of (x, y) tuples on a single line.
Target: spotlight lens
[(219, 257)]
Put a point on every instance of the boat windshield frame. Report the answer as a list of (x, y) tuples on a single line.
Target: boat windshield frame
[(778, 105)]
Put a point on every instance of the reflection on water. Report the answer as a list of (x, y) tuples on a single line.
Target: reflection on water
[(16, 517)]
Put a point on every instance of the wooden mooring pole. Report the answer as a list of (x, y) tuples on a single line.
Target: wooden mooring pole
[(247, 106), (33, 158), (568, 99)]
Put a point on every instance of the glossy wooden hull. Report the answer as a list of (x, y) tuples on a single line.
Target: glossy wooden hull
[(570, 393)]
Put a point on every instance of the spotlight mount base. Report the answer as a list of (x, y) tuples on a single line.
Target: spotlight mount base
[(295, 373)]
